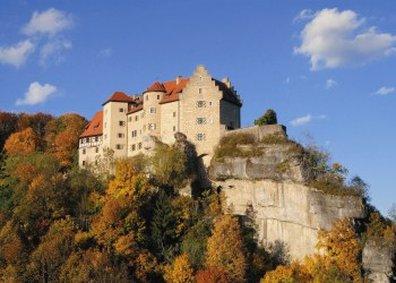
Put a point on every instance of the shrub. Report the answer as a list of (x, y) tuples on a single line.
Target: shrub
[(269, 118)]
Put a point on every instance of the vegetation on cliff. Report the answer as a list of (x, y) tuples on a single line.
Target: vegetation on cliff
[(61, 223)]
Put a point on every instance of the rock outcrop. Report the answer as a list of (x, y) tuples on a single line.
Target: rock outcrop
[(378, 262), (272, 182)]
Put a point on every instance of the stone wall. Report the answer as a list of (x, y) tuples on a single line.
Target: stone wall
[(259, 132)]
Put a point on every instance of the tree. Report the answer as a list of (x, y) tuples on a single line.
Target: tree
[(179, 271), (212, 275), (342, 248), (225, 248), (169, 165), (269, 118), (163, 228), (53, 251), (23, 142), (8, 123)]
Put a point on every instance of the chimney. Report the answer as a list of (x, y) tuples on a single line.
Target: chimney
[(178, 79), (227, 82)]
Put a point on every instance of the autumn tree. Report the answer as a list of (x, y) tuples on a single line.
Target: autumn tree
[(342, 247), (212, 275), (225, 248), (8, 123), (23, 142), (169, 165), (179, 271), (53, 251)]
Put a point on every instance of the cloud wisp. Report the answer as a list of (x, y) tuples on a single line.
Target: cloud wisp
[(334, 39), (383, 91), (330, 83), (49, 22), (304, 120), (16, 55), (37, 94)]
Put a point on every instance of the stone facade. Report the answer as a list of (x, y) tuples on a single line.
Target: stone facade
[(200, 106)]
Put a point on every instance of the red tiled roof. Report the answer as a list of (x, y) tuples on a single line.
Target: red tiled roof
[(156, 86), (173, 89), (135, 108), (95, 127), (119, 96)]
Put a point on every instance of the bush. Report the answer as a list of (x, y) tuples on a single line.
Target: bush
[(269, 118)]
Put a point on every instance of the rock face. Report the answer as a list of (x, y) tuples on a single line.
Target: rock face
[(378, 262), (285, 209), (288, 212)]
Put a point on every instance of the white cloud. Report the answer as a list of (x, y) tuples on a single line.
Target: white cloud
[(386, 90), (330, 83), (304, 15), (17, 54), (54, 49), (107, 52), (335, 38), (287, 80), (300, 121), (36, 94), (48, 22)]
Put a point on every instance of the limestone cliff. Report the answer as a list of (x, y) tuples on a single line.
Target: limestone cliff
[(269, 177)]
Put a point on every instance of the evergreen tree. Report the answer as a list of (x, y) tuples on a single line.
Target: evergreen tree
[(163, 228)]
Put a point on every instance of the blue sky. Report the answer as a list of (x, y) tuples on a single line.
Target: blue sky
[(326, 67)]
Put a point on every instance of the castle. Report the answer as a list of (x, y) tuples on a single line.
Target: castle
[(201, 107)]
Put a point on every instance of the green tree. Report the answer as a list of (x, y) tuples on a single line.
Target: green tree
[(269, 118), (163, 228)]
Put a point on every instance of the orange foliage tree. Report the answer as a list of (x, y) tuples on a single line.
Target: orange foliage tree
[(225, 248), (23, 142), (211, 275)]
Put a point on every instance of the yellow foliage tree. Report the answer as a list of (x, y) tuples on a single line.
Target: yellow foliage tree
[(179, 271), (23, 142), (225, 248), (342, 247)]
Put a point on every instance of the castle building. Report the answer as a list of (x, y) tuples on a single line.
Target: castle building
[(200, 106)]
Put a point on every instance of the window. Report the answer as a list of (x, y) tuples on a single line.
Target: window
[(174, 114), (121, 123), (121, 110), (158, 96), (200, 136), (174, 128), (134, 133), (83, 151), (130, 119), (120, 135), (201, 120), (96, 149), (210, 103), (200, 90), (152, 110), (86, 140), (119, 146), (151, 126), (140, 145), (136, 117), (81, 141), (201, 103), (133, 147), (96, 139), (146, 97), (83, 163)]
